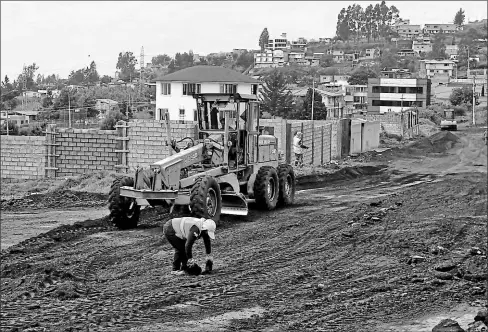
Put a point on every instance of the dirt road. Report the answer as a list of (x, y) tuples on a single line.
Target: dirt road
[(392, 246)]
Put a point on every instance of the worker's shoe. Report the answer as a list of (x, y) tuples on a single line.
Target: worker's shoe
[(178, 272)]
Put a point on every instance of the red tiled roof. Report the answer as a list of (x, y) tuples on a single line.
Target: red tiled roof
[(207, 74)]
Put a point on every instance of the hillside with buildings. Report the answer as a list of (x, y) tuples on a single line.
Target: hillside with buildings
[(421, 57)]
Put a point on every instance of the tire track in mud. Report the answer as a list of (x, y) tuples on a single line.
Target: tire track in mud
[(258, 274)]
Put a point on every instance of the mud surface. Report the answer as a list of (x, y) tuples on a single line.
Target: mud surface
[(373, 248)]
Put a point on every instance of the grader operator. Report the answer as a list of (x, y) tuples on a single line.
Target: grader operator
[(229, 165)]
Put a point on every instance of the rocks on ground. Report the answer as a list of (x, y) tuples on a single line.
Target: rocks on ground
[(448, 325)]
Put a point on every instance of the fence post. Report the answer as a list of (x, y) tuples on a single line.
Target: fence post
[(51, 155), (288, 144), (313, 140), (122, 146), (330, 142), (322, 146)]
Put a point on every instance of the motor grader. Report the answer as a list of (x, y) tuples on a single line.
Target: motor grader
[(230, 164)]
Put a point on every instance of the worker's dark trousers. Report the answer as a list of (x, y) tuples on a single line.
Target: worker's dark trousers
[(180, 260)]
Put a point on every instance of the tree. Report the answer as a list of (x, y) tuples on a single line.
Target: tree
[(264, 39), (48, 100), (111, 120), (459, 17), (245, 59), (275, 99), (326, 60), (126, 63), (319, 109), (438, 48), (462, 95), (106, 79), (360, 76), (92, 74), (389, 59), (66, 98), (7, 85), (161, 59)]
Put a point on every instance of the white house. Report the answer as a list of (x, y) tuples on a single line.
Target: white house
[(174, 92)]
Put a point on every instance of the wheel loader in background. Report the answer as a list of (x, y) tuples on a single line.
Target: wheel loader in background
[(229, 165)]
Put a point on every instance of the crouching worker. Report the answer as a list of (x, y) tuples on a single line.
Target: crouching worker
[(182, 234)]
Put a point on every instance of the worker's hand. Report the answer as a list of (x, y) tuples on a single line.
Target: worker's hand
[(191, 262)]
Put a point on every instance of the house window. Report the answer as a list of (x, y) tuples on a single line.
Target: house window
[(228, 88), (191, 88), (182, 115), (254, 89), (166, 89), (160, 112)]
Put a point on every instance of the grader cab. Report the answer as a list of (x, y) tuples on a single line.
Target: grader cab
[(229, 165)]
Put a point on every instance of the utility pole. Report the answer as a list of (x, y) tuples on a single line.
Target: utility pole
[(142, 68), (467, 47), (69, 109), (7, 121), (474, 98), (313, 93)]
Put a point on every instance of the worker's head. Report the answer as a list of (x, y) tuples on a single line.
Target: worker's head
[(209, 226), (299, 134)]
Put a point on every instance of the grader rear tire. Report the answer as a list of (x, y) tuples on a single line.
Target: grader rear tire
[(124, 212), (205, 199), (287, 182), (266, 189)]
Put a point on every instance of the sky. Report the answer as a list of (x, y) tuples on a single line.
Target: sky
[(61, 36)]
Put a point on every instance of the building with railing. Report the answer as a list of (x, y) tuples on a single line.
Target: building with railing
[(356, 96), (431, 68), (397, 94), (437, 28), (280, 43), (409, 30)]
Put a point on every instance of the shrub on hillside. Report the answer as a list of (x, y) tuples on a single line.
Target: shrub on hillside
[(13, 128), (433, 113), (461, 110), (111, 120)]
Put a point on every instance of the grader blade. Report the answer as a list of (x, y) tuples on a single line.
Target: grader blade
[(234, 204)]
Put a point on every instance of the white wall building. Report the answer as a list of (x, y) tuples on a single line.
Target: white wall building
[(263, 59), (174, 92), (280, 43), (431, 68)]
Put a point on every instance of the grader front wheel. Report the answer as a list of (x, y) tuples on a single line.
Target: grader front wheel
[(266, 188), (205, 199), (286, 177), (124, 212)]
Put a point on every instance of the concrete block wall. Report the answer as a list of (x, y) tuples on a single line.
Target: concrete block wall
[(83, 151), (356, 133), (22, 158), (147, 140), (335, 135), (327, 143), (370, 136), (391, 123)]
